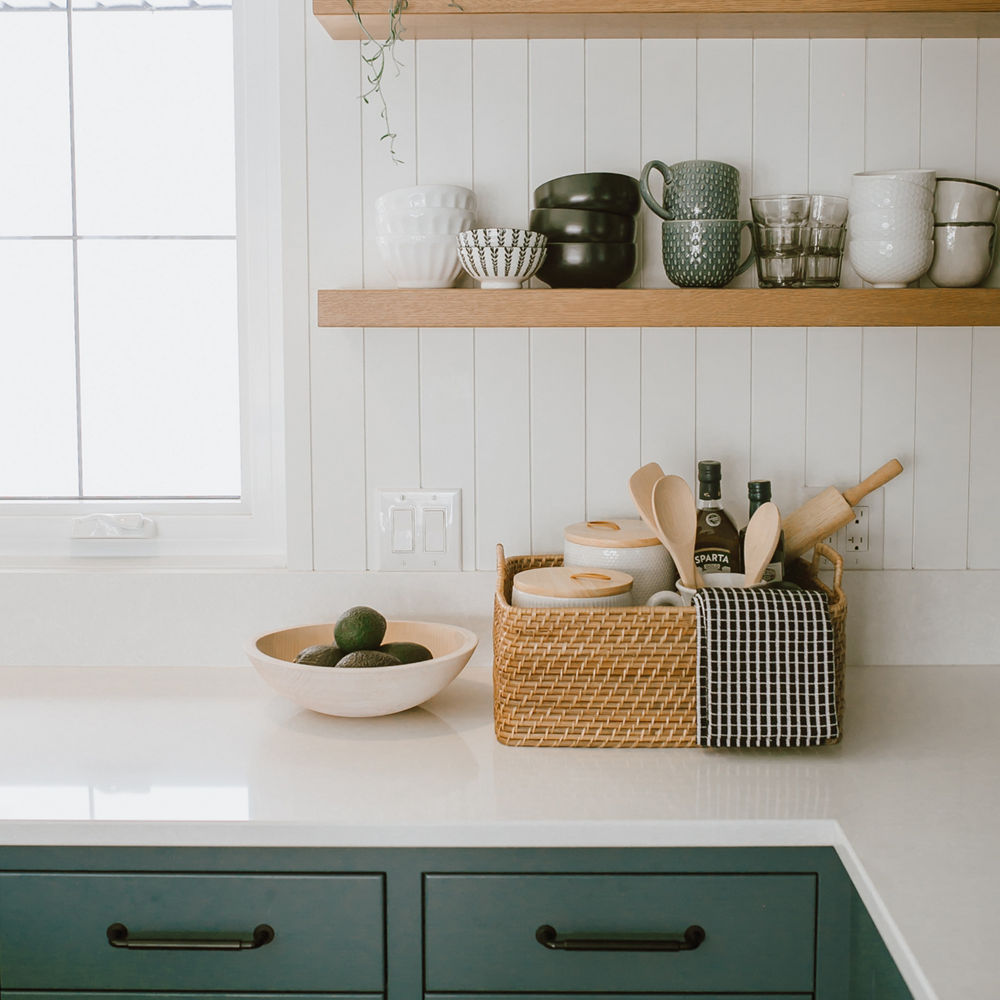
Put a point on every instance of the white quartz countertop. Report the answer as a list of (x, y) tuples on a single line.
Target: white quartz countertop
[(210, 756)]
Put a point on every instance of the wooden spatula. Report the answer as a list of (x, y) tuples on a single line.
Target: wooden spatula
[(829, 511), (760, 541), (676, 519), (640, 486)]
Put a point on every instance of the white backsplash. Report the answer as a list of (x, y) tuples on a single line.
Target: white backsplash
[(540, 428)]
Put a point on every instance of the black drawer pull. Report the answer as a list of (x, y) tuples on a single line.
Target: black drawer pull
[(688, 941), (118, 937)]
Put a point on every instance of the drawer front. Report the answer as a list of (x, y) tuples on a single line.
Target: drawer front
[(480, 933), (328, 932)]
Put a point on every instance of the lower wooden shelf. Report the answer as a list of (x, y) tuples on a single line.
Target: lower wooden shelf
[(610, 307)]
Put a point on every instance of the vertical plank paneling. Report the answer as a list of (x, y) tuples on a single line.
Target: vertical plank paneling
[(556, 113), (987, 133), (503, 445), (335, 206), (836, 122), (444, 111), (613, 419), (941, 450), (500, 136), (984, 469), (948, 105), (668, 399), (725, 115), (778, 412), (558, 445), (447, 421), (892, 115), (780, 115), (392, 408), (887, 399), (723, 410), (833, 407), (669, 130)]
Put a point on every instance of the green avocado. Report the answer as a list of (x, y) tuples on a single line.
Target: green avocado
[(320, 656), (369, 658), (407, 652), (359, 628)]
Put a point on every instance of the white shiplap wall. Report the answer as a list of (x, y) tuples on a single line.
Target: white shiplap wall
[(540, 428)]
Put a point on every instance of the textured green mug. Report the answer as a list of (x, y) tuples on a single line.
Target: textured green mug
[(694, 189), (704, 253)]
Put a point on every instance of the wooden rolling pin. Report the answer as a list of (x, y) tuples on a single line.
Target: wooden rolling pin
[(829, 511)]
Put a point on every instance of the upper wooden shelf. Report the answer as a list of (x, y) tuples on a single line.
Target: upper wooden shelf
[(603, 307), (669, 18)]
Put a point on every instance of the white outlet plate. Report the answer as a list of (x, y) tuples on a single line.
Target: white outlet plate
[(420, 529), (872, 558)]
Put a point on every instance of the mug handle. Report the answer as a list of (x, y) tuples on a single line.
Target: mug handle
[(750, 256), (662, 597), (647, 197)]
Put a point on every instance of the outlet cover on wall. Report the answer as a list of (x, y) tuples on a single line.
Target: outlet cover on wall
[(420, 529), (860, 541)]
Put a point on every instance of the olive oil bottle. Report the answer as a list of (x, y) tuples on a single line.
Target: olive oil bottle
[(717, 542), (759, 492)]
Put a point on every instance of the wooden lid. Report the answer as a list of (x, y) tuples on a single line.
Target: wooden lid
[(620, 533), (572, 581)]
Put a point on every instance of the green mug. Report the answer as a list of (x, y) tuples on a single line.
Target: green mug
[(693, 189), (704, 253)]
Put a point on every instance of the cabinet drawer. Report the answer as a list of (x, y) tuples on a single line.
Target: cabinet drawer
[(328, 932), (480, 932)]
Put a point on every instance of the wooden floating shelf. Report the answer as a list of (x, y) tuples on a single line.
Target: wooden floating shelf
[(669, 18), (608, 307)]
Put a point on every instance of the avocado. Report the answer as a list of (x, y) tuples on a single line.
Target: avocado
[(407, 652), (369, 658), (359, 628), (320, 656)]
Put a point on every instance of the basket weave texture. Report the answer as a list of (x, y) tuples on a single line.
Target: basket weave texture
[(612, 677)]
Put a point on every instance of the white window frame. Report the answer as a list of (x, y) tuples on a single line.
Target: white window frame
[(273, 290)]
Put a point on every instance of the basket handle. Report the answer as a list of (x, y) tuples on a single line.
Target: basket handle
[(832, 556), (501, 567)]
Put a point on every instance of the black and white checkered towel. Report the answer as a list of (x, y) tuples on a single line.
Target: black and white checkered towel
[(766, 668)]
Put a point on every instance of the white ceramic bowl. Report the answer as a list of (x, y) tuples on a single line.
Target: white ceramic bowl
[(890, 263), (911, 175), (422, 196), (502, 238), (420, 261), (868, 192), (424, 221), (362, 691), (960, 200), (501, 266), (892, 223), (963, 254)]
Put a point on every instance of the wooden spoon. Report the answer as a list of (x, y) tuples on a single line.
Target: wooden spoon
[(760, 541), (640, 485), (676, 519)]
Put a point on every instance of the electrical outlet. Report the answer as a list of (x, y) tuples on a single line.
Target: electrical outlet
[(859, 542), (856, 538)]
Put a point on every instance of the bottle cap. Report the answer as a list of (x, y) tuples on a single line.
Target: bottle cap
[(709, 471), (759, 489)]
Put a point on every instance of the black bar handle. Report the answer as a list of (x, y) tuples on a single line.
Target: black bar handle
[(549, 937), (118, 937)]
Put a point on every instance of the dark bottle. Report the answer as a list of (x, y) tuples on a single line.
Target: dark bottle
[(758, 492), (717, 542)]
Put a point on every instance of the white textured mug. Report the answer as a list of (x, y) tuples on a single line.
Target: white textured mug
[(963, 253), (683, 597)]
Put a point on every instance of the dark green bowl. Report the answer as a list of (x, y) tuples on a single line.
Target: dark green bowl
[(579, 225), (587, 265), (617, 193)]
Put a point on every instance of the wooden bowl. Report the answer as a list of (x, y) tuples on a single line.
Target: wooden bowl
[(362, 691)]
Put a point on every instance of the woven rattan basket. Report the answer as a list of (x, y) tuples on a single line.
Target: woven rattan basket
[(612, 677)]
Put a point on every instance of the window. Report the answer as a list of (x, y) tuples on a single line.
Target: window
[(136, 373)]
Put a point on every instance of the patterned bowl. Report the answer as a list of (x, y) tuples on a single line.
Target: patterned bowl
[(891, 263), (499, 265), (501, 238)]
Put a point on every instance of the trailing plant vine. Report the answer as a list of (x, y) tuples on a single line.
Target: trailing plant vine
[(374, 53)]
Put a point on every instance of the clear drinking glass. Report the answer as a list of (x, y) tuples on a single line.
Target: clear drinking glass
[(780, 252), (824, 254)]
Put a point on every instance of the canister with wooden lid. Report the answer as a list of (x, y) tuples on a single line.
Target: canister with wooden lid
[(624, 544), (571, 587)]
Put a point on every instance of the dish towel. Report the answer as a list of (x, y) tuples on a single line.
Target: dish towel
[(766, 668)]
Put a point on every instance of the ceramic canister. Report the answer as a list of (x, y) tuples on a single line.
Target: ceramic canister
[(571, 587), (624, 544)]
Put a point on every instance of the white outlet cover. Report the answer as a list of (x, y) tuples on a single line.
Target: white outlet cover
[(420, 529)]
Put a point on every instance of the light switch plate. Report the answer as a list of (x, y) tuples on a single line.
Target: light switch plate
[(420, 529)]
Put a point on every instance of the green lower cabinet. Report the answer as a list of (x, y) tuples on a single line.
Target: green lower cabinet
[(442, 924)]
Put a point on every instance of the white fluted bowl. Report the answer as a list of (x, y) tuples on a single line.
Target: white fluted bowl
[(424, 221), (422, 196), (890, 263), (420, 260), (362, 691)]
